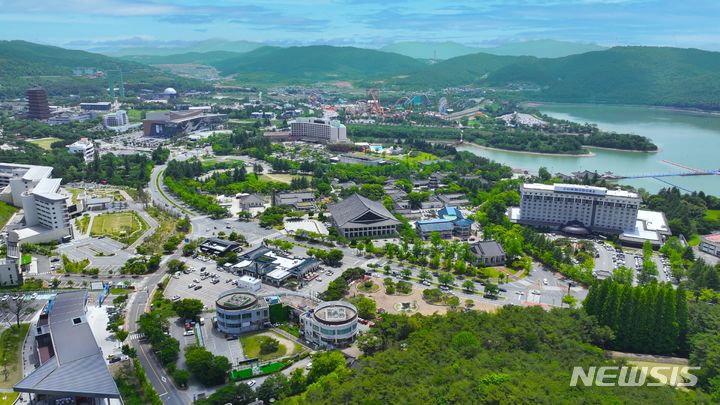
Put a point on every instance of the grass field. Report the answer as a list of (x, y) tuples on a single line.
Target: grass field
[(694, 240), (44, 142), (280, 177), (11, 342), (6, 211), (415, 157), (82, 223), (251, 347), (125, 227), (8, 398), (712, 214)]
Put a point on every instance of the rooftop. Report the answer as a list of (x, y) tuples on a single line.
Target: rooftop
[(334, 312), (78, 367), (357, 208), (579, 189), (236, 299)]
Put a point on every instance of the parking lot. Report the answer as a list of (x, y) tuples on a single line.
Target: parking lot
[(31, 309), (103, 253)]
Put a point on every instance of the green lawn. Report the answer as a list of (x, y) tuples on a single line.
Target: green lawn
[(251, 347), (8, 398), (11, 341), (6, 211), (712, 215), (694, 240), (125, 227), (44, 142), (82, 223), (415, 157)]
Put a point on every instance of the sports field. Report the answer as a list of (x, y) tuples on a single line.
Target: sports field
[(125, 227), (44, 142)]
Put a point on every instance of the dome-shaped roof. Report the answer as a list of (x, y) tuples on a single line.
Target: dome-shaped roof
[(169, 90)]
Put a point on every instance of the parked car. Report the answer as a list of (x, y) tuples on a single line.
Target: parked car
[(191, 285), (189, 333), (175, 298), (197, 287), (308, 366), (251, 383)]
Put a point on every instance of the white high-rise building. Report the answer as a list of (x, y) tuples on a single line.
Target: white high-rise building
[(321, 130), (45, 209), (84, 147), (116, 119), (593, 208)]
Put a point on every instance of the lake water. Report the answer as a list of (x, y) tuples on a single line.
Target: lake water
[(687, 138)]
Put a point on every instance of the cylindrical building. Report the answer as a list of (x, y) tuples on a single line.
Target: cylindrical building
[(332, 322), (238, 311)]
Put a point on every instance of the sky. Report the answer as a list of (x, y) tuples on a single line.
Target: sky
[(100, 24)]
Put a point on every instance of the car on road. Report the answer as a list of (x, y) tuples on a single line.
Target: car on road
[(308, 366), (189, 333), (251, 383), (545, 282), (34, 296)]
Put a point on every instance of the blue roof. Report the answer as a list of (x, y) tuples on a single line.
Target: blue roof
[(463, 222), (434, 225), (450, 212)]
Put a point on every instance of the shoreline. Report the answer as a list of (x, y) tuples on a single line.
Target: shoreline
[(537, 104), (581, 155), (621, 150)]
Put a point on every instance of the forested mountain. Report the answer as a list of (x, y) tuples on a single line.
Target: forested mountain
[(23, 64), (543, 48), (620, 75), (312, 63)]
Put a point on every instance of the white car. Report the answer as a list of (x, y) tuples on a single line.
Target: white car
[(33, 296), (545, 282), (251, 383), (309, 366)]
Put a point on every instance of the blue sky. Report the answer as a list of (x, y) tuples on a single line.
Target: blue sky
[(90, 24)]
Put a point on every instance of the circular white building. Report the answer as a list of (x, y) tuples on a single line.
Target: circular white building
[(170, 92), (331, 323), (238, 311)]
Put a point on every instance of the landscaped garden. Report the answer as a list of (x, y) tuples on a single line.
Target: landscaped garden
[(267, 346), (11, 341)]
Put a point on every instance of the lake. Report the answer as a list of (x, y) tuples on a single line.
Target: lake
[(687, 138)]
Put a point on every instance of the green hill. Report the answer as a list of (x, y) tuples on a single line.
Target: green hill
[(543, 48), (620, 75), (316, 63), (23, 64)]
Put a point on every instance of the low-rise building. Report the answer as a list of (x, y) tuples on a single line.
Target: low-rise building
[(218, 247), (99, 106), (489, 253), (249, 283), (83, 147), (239, 311), (711, 244), (167, 124), (10, 272), (274, 266), (248, 201), (332, 323), (360, 217), (360, 159), (298, 200)]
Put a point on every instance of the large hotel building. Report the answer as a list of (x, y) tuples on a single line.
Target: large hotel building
[(593, 208), (320, 130)]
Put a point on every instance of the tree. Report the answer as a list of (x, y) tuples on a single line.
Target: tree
[(445, 279), (17, 308), (205, 367), (366, 307), (269, 345), (181, 377), (325, 363), (544, 174), (623, 275), (468, 286), (176, 265), (406, 273), (424, 275), (231, 393), (298, 381), (569, 300), (188, 308), (453, 301), (121, 335), (492, 290), (274, 387)]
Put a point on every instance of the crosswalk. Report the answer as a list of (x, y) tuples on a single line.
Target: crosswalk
[(136, 336)]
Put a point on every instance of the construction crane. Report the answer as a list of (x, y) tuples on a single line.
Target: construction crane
[(376, 106)]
